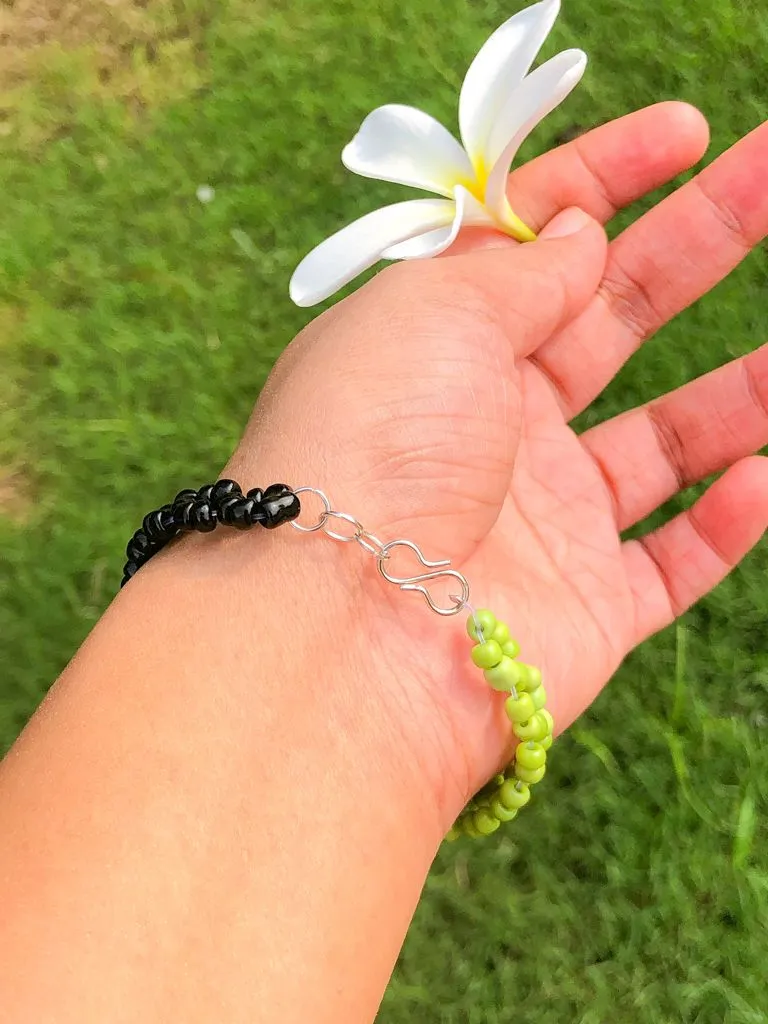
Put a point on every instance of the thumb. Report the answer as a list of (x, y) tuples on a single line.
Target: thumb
[(536, 288)]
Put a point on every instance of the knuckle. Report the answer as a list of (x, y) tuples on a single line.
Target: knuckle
[(726, 217), (629, 300), (671, 444)]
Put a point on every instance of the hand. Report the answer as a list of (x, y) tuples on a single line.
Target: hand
[(434, 404)]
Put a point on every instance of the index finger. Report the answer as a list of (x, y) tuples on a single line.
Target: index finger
[(611, 166)]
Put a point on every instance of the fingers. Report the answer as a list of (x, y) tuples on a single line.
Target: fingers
[(602, 171), (612, 165), (676, 565), (533, 290), (649, 454), (659, 266)]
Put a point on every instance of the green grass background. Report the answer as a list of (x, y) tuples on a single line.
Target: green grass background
[(136, 328)]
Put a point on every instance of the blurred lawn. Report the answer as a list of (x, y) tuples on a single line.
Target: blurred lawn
[(131, 313)]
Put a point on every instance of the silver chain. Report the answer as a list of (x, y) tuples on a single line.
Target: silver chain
[(371, 545)]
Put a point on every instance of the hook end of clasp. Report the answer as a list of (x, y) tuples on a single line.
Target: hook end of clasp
[(440, 570)]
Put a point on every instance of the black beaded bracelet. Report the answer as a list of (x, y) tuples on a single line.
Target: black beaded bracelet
[(203, 510)]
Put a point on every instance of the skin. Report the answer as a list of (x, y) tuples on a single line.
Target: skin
[(227, 805)]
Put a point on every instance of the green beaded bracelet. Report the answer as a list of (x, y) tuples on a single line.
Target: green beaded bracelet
[(501, 799)]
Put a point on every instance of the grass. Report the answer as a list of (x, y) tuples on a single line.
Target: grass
[(130, 313)]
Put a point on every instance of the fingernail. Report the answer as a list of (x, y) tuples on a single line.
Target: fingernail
[(569, 222)]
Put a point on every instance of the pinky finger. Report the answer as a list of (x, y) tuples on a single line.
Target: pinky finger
[(676, 565)]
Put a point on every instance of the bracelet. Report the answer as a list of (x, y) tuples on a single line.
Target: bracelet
[(509, 791), (494, 651), (203, 510)]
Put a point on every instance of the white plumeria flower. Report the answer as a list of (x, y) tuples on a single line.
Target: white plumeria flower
[(499, 106)]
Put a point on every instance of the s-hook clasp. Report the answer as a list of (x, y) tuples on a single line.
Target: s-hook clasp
[(417, 583)]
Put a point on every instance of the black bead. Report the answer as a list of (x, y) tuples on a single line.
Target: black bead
[(204, 494), (184, 497), (159, 526), (134, 554), (152, 526), (242, 515), (256, 495), (223, 489), (280, 505), (139, 545), (276, 490), (167, 521), (227, 506), (130, 569), (181, 514), (202, 517)]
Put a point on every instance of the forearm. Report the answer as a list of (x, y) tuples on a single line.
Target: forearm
[(210, 817)]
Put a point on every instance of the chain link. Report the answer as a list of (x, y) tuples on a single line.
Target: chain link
[(323, 515), (370, 543), (341, 536)]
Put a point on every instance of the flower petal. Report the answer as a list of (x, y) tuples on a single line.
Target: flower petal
[(340, 258), (500, 66), (534, 98), (405, 145), (468, 212), (537, 95)]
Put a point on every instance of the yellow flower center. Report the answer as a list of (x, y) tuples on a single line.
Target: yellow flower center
[(477, 185), (510, 223)]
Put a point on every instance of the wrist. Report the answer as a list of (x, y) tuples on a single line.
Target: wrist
[(307, 633), (235, 753)]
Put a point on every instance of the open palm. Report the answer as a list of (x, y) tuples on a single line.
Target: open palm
[(444, 391)]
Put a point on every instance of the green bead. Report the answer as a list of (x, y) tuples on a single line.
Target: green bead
[(503, 676), (511, 648), (520, 709), (453, 834), (534, 728), (487, 622), (531, 678), (513, 795), (530, 775), (530, 755), (503, 813), (501, 633), (485, 823), (549, 720), (546, 742), (539, 696), (487, 654), (468, 827)]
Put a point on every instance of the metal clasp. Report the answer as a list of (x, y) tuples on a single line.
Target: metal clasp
[(416, 583)]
